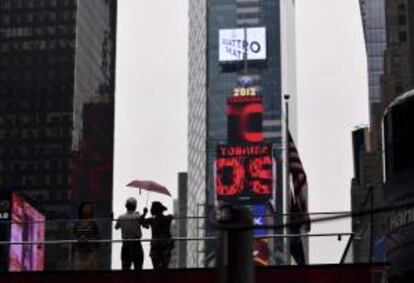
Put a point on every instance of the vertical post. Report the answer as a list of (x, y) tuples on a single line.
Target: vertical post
[(222, 257), (245, 48), (371, 234), (240, 248), (286, 198), (237, 255), (198, 235)]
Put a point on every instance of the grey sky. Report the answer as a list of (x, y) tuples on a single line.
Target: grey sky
[(333, 99), (151, 101)]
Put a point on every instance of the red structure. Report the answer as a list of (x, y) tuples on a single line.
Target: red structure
[(315, 274)]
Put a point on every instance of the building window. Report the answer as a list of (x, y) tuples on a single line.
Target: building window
[(41, 3), (18, 4), (30, 17), (6, 5), (6, 19), (67, 16), (51, 31), (52, 16), (39, 31), (402, 20), (403, 36)]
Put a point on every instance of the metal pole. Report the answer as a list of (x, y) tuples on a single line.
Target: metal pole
[(245, 46), (237, 264), (371, 234), (286, 199), (240, 249)]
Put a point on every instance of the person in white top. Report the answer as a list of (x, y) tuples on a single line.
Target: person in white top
[(130, 225)]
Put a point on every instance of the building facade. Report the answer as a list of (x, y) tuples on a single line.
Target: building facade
[(391, 74), (374, 26), (399, 181), (373, 20), (197, 114), (212, 80), (366, 194), (57, 74)]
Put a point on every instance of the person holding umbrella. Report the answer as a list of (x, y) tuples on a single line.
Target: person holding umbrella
[(130, 225), (162, 243)]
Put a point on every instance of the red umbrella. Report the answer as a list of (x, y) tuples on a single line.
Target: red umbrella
[(150, 186)]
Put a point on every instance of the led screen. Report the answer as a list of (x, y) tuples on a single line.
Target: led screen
[(260, 246), (244, 122), (27, 226), (233, 43), (244, 172)]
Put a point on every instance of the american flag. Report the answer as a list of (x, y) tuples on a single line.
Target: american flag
[(299, 199)]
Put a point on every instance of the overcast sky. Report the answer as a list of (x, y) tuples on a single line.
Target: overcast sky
[(151, 102)]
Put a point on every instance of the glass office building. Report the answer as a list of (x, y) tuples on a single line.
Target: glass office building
[(212, 80), (373, 20), (57, 73), (375, 34)]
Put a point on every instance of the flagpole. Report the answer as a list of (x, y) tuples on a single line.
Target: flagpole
[(286, 204)]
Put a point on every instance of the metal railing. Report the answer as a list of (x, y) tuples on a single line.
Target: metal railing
[(59, 237)]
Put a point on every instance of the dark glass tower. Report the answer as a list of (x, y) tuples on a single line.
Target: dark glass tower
[(57, 74), (389, 37), (212, 81)]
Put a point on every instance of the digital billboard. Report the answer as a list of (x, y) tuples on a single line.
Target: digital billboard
[(27, 226), (244, 172), (244, 122), (233, 43), (261, 253)]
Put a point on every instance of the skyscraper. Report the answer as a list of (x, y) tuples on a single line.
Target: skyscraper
[(57, 74), (367, 182), (373, 21), (398, 86), (399, 59), (214, 70), (389, 34)]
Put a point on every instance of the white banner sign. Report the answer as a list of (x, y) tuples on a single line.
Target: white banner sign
[(233, 43)]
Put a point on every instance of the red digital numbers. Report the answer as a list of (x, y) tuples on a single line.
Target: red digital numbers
[(244, 167), (244, 172), (261, 175), (245, 119), (231, 172)]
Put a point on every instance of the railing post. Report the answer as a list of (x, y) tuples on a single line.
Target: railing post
[(239, 245)]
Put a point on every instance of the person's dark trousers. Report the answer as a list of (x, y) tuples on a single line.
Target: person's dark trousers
[(132, 253), (296, 247)]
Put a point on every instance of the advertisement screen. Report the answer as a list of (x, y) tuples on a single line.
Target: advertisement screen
[(234, 43), (244, 122), (244, 172), (27, 226), (261, 254)]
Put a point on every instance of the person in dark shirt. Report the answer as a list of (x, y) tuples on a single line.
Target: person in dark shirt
[(130, 225), (161, 243), (85, 229)]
